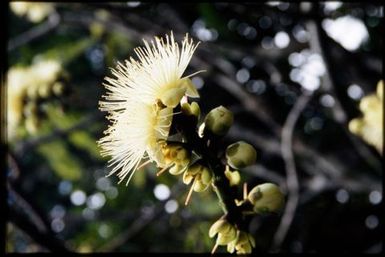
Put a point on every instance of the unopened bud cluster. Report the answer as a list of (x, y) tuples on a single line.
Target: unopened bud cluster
[(229, 235), (27, 87)]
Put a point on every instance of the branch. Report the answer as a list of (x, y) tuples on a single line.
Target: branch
[(29, 144), (35, 32), (318, 44), (292, 179), (46, 240)]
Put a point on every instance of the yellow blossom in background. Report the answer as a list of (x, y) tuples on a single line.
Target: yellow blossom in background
[(140, 102), (35, 12), (24, 85), (370, 125)]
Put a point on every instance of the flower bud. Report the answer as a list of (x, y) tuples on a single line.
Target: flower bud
[(44, 90), (244, 244), (266, 197), (220, 226), (369, 103), (58, 88), (199, 186), (177, 169), (206, 176), (191, 109), (233, 177), (225, 238), (355, 126), (240, 155), (32, 124), (219, 121)]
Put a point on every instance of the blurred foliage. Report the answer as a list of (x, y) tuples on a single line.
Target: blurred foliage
[(61, 175)]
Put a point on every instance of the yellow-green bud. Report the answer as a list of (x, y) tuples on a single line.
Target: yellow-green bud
[(191, 109), (30, 109), (191, 172), (220, 226), (369, 103), (233, 177), (219, 120), (225, 238), (266, 197), (243, 245), (58, 88), (177, 169), (206, 176), (32, 124), (240, 155), (44, 90), (199, 186), (355, 126)]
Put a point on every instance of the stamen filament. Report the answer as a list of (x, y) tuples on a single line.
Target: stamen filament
[(190, 192)]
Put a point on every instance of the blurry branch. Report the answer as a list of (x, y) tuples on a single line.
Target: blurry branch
[(291, 178), (247, 101), (327, 85), (268, 144), (317, 45), (46, 240), (31, 143), (18, 202), (87, 19), (25, 214), (40, 30), (148, 215)]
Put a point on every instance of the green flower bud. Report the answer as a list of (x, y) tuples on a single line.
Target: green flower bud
[(195, 109), (32, 124), (191, 109), (187, 177), (220, 226), (369, 103), (44, 90), (177, 169), (355, 126), (219, 121), (199, 186), (243, 244), (206, 176), (30, 109), (58, 88), (225, 238), (240, 155), (234, 177), (266, 197), (231, 246), (243, 248)]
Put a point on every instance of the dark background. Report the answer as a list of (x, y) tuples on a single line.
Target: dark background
[(252, 54)]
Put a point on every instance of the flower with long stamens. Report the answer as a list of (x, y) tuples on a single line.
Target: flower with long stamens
[(140, 101)]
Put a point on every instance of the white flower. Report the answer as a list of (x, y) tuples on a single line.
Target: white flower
[(140, 102)]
